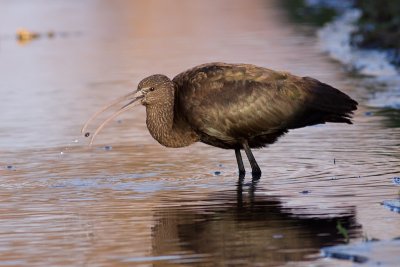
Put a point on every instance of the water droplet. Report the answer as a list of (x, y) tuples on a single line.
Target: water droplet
[(75, 141), (87, 134), (61, 153), (396, 180), (277, 236), (107, 147), (368, 113), (10, 167), (305, 192), (392, 204), (217, 172)]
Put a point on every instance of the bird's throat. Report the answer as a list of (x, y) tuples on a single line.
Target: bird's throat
[(167, 131)]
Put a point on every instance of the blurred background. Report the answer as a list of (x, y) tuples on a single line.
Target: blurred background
[(129, 201)]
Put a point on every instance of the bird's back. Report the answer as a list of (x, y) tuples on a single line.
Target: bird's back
[(226, 103)]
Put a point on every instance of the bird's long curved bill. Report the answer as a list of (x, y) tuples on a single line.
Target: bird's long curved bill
[(133, 96)]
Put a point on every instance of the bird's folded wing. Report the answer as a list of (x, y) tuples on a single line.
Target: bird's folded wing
[(245, 100)]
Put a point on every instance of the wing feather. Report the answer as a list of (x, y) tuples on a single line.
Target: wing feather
[(233, 101)]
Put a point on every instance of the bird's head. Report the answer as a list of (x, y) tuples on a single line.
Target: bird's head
[(152, 90)]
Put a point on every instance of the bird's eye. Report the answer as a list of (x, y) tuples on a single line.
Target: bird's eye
[(152, 89)]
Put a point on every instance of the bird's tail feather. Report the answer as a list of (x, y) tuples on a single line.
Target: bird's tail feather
[(326, 104)]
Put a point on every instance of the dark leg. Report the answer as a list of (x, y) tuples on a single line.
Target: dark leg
[(242, 171), (255, 170)]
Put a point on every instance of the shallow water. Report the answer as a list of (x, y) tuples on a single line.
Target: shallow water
[(129, 201)]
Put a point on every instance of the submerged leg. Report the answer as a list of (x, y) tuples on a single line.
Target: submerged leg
[(242, 170), (255, 170)]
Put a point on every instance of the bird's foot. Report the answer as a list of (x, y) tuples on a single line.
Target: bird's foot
[(242, 174), (256, 174)]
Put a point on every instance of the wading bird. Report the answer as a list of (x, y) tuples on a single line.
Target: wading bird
[(232, 106)]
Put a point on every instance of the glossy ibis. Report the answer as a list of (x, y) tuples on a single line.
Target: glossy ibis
[(232, 106)]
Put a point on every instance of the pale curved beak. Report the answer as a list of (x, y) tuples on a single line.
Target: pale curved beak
[(134, 98)]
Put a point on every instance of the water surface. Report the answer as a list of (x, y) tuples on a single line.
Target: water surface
[(129, 201)]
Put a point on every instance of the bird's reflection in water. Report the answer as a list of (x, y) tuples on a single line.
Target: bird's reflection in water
[(244, 228)]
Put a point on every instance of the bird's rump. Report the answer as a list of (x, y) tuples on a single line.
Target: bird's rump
[(230, 102)]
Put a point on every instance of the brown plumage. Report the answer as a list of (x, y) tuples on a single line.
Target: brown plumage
[(233, 106)]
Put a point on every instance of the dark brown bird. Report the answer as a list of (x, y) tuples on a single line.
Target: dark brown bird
[(232, 106)]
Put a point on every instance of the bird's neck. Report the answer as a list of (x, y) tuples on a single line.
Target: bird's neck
[(167, 130)]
